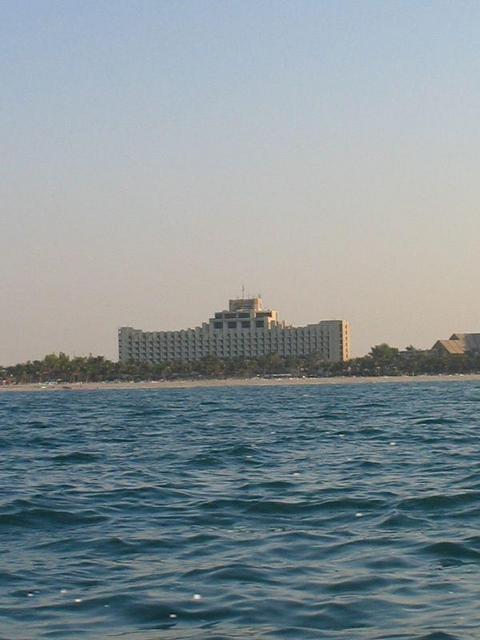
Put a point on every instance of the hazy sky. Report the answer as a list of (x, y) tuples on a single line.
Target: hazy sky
[(157, 155)]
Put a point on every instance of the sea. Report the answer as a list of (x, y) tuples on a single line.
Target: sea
[(346, 512)]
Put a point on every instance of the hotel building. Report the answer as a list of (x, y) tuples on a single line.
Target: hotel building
[(245, 330)]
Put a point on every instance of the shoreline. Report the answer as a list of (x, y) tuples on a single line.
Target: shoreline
[(233, 382)]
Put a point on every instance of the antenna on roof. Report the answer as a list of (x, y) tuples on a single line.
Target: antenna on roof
[(243, 292)]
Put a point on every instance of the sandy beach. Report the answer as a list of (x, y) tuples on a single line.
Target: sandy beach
[(232, 382)]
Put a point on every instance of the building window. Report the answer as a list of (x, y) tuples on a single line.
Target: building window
[(259, 323), (245, 324), (218, 325), (232, 325)]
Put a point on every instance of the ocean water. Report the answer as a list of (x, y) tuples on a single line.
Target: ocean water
[(332, 512)]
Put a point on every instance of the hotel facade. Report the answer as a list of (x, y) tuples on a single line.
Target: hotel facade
[(245, 330)]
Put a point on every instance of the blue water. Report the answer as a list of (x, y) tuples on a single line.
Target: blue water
[(345, 512)]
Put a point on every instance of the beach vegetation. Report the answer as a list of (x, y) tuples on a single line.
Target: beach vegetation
[(382, 360)]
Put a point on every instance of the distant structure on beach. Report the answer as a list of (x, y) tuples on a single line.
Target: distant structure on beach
[(245, 330), (458, 344)]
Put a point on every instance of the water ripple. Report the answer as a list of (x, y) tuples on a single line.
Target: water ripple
[(333, 512)]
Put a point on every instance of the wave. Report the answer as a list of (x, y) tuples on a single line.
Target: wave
[(76, 457), (38, 517), (343, 513)]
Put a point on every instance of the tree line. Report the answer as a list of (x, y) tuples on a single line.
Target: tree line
[(382, 360)]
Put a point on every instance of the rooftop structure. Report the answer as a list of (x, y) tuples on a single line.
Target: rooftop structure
[(245, 330), (458, 344)]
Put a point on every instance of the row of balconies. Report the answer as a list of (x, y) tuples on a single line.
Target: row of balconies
[(222, 351), (249, 349), (231, 337), (206, 334), (228, 347)]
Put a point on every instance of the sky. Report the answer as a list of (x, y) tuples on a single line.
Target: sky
[(156, 156)]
